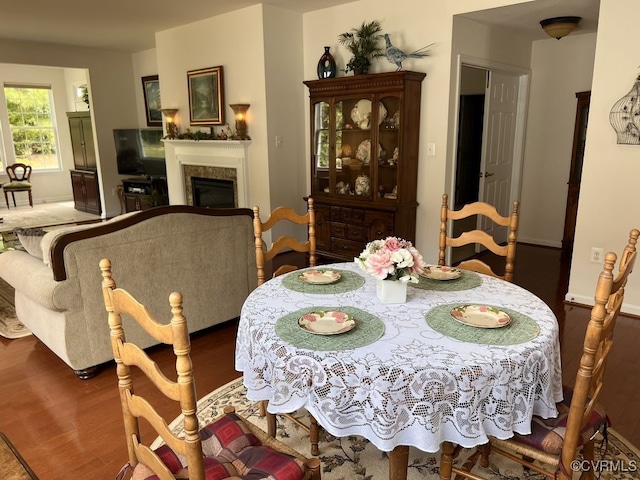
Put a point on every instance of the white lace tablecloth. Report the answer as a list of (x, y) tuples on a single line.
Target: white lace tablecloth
[(413, 386)]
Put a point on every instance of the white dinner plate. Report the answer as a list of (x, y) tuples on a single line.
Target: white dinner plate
[(361, 114), (319, 277), (363, 153), (326, 322), (481, 316), (437, 272)]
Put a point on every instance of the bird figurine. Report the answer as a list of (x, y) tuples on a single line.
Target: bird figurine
[(397, 56)]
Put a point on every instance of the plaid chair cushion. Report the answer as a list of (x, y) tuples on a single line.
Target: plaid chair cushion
[(548, 434), (231, 452)]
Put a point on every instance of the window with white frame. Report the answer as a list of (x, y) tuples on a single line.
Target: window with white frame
[(33, 127)]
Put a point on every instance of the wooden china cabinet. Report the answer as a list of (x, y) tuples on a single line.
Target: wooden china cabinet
[(364, 159)]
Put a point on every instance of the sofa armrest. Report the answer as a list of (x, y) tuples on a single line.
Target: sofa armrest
[(32, 277)]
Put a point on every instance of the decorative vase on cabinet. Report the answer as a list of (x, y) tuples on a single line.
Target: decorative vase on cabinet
[(327, 65), (352, 145)]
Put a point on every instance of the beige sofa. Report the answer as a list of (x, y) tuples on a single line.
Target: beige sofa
[(206, 254)]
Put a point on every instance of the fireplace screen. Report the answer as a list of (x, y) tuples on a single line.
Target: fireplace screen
[(212, 192)]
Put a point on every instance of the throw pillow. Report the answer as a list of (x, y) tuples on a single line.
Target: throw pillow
[(31, 240)]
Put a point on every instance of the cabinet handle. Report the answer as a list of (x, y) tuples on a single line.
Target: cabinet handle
[(379, 233)]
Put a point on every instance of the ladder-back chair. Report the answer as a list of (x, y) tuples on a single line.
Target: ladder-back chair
[(282, 243), (479, 236), (265, 254), (555, 442), (229, 444)]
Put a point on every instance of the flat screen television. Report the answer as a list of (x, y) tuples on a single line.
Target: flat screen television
[(140, 151)]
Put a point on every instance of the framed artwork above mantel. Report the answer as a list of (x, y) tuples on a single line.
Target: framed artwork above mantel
[(206, 96)]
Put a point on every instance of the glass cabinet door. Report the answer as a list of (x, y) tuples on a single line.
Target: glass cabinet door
[(320, 154), (356, 145), (389, 139)]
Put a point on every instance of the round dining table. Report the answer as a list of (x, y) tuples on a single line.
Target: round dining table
[(410, 374)]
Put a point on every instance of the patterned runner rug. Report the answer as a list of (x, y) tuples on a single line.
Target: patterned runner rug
[(354, 458), (10, 326)]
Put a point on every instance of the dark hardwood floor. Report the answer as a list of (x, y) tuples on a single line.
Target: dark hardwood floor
[(68, 428)]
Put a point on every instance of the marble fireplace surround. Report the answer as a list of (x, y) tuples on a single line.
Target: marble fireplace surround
[(220, 159)]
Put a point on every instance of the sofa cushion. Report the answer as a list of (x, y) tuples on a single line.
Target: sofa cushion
[(31, 240)]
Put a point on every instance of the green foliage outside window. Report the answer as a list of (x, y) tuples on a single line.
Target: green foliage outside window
[(32, 127)]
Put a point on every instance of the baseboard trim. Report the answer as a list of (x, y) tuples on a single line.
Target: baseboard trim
[(583, 301), (542, 243)]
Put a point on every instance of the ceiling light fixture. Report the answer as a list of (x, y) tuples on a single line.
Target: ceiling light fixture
[(558, 27)]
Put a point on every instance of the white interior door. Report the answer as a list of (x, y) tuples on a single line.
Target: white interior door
[(496, 172)]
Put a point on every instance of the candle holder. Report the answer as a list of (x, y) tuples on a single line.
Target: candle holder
[(169, 115), (240, 111)]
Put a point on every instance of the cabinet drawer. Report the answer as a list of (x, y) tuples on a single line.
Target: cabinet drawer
[(354, 232), (335, 214), (338, 230), (379, 224), (346, 247), (350, 232)]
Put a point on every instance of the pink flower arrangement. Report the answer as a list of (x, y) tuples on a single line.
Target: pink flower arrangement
[(391, 259)]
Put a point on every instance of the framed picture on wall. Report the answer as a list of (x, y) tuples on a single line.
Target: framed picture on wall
[(152, 103), (206, 96)]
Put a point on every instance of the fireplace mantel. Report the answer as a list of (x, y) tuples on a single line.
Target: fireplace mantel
[(213, 153)]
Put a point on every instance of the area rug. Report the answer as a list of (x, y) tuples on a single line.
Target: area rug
[(356, 458), (42, 215), (10, 326), (12, 465)]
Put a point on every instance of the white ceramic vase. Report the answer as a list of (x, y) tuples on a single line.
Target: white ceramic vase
[(391, 291)]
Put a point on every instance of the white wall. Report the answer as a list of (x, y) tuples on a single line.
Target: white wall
[(112, 97), (609, 188), (559, 70), (144, 64), (284, 94), (235, 41), (75, 77)]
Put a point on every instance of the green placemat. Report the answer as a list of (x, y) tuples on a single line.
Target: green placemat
[(466, 281), (368, 329), (348, 281), (521, 329)]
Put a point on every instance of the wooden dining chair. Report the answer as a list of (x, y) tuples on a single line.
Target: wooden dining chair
[(265, 254), (230, 445), (555, 442), (280, 216), (487, 212), (19, 181)]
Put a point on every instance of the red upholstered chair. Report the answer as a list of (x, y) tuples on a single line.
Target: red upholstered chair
[(19, 181), (228, 447), (555, 442)]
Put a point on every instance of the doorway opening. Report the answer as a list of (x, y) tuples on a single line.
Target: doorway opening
[(491, 113)]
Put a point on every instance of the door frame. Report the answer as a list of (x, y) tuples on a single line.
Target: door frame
[(521, 119)]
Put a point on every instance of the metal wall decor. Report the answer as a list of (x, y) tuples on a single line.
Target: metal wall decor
[(625, 116)]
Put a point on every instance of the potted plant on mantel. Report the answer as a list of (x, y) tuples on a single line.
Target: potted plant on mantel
[(363, 43)]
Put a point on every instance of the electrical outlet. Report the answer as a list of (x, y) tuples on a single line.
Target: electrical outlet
[(596, 255)]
